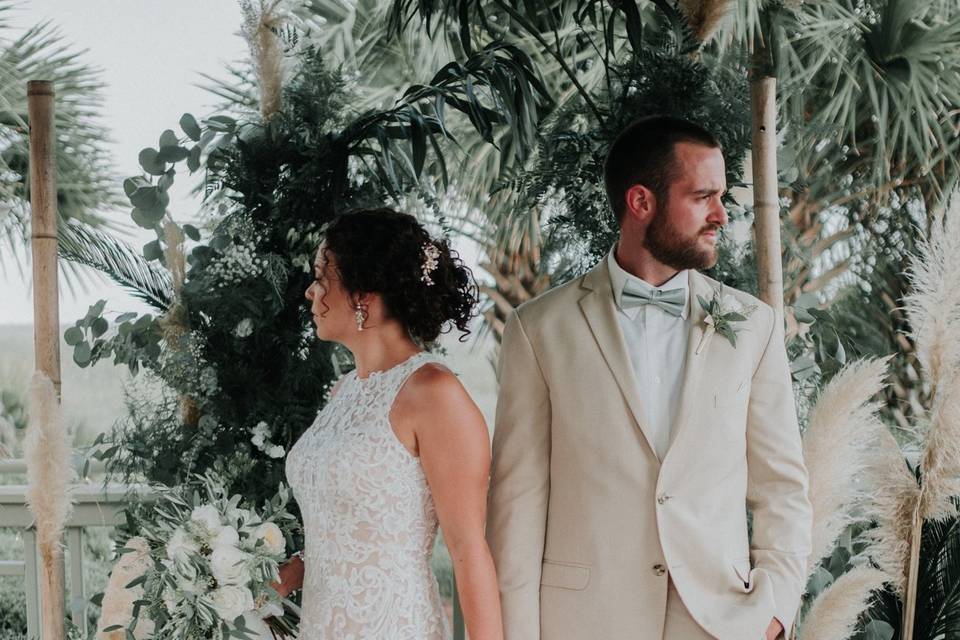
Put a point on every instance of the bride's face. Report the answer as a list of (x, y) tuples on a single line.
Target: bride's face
[(331, 304)]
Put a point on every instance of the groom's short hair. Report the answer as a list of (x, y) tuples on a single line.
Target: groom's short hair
[(643, 154)]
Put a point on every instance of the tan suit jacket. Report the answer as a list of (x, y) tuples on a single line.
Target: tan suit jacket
[(586, 524)]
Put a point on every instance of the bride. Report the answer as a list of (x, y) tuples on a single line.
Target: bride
[(399, 448)]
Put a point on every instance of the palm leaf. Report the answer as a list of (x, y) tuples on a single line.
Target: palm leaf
[(86, 185), (118, 261)]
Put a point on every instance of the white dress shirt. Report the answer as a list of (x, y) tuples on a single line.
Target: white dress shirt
[(657, 345)]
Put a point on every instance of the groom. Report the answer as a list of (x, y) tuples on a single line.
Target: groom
[(633, 427)]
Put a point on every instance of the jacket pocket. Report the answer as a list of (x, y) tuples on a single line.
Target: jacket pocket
[(564, 575), (741, 567)]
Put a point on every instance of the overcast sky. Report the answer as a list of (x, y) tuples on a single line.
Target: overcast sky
[(151, 53)]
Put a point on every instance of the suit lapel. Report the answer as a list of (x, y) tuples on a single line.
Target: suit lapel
[(694, 363), (601, 313)]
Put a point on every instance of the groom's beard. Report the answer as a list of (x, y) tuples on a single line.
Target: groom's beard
[(665, 243)]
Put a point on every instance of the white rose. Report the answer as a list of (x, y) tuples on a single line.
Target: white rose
[(231, 601), (257, 441), (170, 600), (181, 545), (229, 566), (208, 517), (226, 537), (273, 540), (276, 451)]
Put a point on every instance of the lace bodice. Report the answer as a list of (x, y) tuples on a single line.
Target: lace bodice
[(369, 519)]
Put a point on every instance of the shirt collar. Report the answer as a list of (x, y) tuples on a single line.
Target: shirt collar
[(619, 278)]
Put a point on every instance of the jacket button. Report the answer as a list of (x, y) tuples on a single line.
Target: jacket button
[(659, 570), (662, 498)]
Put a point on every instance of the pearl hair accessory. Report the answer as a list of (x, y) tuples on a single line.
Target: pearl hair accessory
[(431, 254)]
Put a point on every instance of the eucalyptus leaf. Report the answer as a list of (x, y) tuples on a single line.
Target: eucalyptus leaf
[(190, 127), (73, 336), (81, 354), (149, 160), (168, 139)]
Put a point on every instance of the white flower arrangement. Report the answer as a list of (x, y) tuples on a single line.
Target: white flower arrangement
[(213, 563)]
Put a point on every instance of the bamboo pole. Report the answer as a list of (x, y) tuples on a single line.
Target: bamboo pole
[(766, 199), (46, 311)]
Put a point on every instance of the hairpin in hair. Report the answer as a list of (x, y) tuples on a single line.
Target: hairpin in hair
[(431, 255)]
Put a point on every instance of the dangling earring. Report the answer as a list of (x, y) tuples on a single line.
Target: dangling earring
[(361, 317)]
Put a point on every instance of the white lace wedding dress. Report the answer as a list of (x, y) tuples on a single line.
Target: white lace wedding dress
[(369, 519)]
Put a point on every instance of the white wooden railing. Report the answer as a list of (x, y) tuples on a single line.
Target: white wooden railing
[(95, 505)]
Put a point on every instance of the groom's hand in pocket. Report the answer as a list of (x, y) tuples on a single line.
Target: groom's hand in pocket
[(774, 630)]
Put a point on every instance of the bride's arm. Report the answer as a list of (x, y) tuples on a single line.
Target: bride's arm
[(454, 448)]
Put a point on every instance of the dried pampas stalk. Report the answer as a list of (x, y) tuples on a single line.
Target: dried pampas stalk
[(940, 462), (174, 322), (49, 479), (843, 426), (934, 307), (834, 614), (50, 473), (261, 21), (118, 599), (933, 304), (705, 16), (894, 493)]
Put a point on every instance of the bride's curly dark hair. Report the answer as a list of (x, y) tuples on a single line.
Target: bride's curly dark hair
[(382, 251)]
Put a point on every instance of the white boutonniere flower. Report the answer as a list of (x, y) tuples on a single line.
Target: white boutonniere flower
[(723, 313)]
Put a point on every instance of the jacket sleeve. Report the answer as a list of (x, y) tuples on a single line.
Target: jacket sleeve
[(777, 479), (519, 483)]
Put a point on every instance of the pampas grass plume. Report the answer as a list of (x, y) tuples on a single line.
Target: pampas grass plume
[(834, 614), (118, 599), (893, 497), (843, 426), (50, 473)]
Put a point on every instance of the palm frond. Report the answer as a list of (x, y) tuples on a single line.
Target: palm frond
[(118, 261), (86, 186)]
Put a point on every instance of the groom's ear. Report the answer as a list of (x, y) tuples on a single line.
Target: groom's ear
[(640, 204)]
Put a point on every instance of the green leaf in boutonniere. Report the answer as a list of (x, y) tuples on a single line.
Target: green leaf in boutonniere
[(723, 313)]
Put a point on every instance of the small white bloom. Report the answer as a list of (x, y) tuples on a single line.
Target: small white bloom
[(181, 546), (262, 429), (229, 565), (730, 304), (257, 441), (273, 540), (208, 517), (244, 328), (231, 601), (275, 451)]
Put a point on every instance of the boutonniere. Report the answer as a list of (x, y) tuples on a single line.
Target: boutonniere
[(723, 313)]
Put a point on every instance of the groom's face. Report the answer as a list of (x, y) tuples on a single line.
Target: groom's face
[(684, 229)]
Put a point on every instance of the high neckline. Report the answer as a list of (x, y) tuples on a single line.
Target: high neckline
[(374, 375)]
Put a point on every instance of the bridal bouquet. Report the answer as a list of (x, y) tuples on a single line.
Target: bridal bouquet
[(214, 559)]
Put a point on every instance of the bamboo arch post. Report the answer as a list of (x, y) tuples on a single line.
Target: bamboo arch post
[(766, 197), (46, 310)]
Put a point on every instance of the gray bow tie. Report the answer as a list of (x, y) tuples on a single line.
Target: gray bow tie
[(672, 301)]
